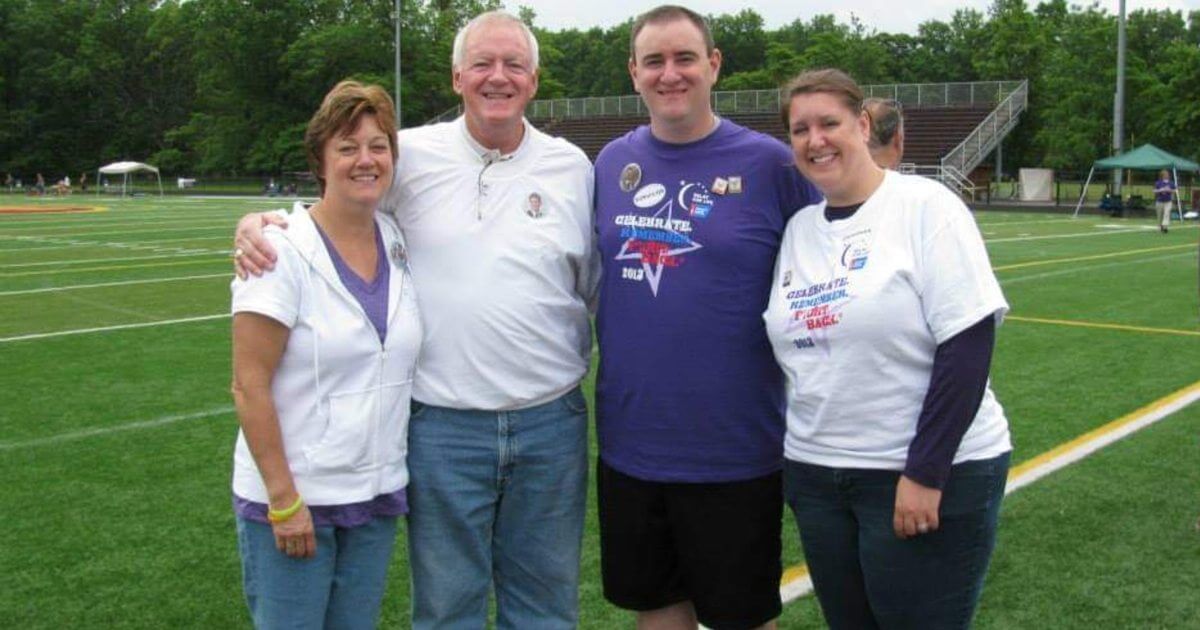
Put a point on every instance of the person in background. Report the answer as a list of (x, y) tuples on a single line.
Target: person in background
[(887, 132), (323, 355), (498, 440), (883, 314), (1164, 198)]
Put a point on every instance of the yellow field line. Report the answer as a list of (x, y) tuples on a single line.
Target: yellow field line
[(798, 572), (41, 210), (1055, 261), (796, 581), (1079, 324), (1095, 435), (113, 268)]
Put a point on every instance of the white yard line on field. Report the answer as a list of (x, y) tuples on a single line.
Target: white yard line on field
[(1059, 457), (1071, 259), (129, 426), (992, 224), (156, 265), (1116, 226), (98, 285), (37, 238), (103, 306), (1072, 235), (1088, 268), (76, 244), (84, 331), (797, 583), (1012, 239), (108, 221), (181, 253)]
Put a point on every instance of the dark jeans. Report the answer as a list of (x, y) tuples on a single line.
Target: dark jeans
[(866, 577)]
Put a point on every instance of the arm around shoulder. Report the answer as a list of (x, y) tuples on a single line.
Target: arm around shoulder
[(251, 253)]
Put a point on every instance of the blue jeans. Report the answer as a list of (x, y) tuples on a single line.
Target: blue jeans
[(497, 500), (866, 577), (341, 587)]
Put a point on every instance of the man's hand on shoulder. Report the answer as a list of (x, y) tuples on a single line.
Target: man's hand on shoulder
[(252, 254)]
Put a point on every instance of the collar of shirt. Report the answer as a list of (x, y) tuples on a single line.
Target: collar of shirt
[(491, 156)]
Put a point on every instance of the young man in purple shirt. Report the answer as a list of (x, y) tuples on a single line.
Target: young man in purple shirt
[(689, 214)]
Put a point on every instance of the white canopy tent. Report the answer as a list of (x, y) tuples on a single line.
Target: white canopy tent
[(125, 169)]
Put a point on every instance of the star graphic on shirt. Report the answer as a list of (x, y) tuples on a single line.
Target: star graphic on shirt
[(654, 272)]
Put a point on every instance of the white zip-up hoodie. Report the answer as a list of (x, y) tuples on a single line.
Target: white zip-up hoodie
[(342, 397)]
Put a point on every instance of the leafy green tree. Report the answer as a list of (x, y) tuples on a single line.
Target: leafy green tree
[(741, 39), (1075, 117), (944, 51), (227, 86)]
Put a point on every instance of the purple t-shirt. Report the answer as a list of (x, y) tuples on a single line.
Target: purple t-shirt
[(1165, 195), (688, 389), (373, 297)]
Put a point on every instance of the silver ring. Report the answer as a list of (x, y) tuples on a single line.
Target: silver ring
[(922, 528), (238, 252)]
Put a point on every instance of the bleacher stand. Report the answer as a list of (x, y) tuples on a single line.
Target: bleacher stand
[(930, 131)]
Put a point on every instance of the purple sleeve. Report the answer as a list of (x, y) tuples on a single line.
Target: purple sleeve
[(960, 374)]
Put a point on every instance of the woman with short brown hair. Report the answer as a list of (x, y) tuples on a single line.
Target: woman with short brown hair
[(323, 354)]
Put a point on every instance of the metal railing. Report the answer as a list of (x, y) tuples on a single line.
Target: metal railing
[(956, 180), (947, 175), (768, 101), (942, 94), (971, 152)]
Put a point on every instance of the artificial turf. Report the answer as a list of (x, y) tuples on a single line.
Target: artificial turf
[(115, 446)]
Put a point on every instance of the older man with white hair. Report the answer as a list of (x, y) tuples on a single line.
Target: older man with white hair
[(498, 434)]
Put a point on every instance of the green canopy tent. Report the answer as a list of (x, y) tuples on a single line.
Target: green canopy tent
[(1144, 158)]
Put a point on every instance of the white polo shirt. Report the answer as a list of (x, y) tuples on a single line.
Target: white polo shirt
[(505, 281), (342, 397)]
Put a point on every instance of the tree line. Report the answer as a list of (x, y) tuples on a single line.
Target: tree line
[(203, 87)]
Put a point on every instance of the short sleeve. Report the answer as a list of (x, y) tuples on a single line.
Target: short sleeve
[(958, 287), (275, 294)]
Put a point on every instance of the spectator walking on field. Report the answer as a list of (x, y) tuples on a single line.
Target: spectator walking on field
[(1164, 200)]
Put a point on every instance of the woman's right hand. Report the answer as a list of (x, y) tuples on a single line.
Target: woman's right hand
[(296, 536), (252, 254)]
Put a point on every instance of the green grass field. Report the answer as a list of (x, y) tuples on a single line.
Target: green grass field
[(116, 425)]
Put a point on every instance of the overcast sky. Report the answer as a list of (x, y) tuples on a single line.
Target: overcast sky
[(880, 15)]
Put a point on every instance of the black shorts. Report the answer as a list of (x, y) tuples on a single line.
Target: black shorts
[(714, 544)]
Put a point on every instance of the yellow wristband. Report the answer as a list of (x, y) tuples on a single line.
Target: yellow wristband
[(279, 516)]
